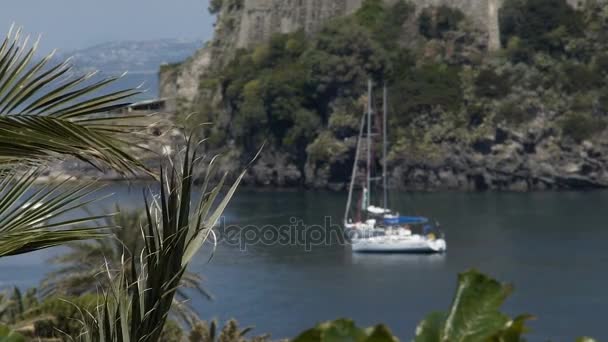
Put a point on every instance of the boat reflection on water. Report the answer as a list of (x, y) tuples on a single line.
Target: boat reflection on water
[(404, 259)]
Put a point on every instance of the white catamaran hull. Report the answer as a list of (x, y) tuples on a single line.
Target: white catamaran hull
[(399, 244)]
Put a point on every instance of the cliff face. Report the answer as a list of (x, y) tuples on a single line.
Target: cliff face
[(530, 156)]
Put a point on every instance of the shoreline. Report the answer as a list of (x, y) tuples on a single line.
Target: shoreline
[(291, 189)]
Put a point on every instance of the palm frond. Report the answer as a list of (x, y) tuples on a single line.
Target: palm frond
[(33, 218), (83, 268), (45, 113), (138, 302)]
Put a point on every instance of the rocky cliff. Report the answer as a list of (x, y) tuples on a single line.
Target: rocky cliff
[(485, 152)]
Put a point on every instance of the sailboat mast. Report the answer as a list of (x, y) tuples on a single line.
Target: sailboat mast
[(384, 146), (354, 173), (369, 141)]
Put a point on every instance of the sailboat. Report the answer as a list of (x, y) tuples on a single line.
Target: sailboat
[(377, 228)]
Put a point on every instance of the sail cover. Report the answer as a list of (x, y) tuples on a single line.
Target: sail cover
[(377, 210), (392, 220)]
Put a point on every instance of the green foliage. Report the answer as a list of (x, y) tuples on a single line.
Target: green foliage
[(542, 25), (282, 91), (172, 332), (345, 330), (511, 111), (215, 6), (325, 148), (291, 91), (473, 317), (57, 317), (388, 30), (478, 299), (306, 123), (344, 121), (138, 301), (44, 116), (371, 13), (9, 335), (84, 266), (517, 51), (428, 86), (14, 306), (579, 77), (490, 84), (31, 219), (169, 67), (581, 126), (434, 22), (230, 332)]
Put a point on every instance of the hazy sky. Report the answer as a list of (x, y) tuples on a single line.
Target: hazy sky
[(73, 24)]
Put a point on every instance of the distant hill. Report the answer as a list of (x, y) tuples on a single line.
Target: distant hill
[(141, 59)]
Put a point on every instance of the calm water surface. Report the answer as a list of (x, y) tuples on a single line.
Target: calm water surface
[(550, 245)]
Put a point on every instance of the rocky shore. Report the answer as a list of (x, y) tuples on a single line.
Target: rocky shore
[(503, 161)]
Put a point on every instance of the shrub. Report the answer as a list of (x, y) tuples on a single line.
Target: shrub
[(602, 102), (370, 13), (490, 84), (325, 148), (428, 86), (538, 22), (580, 127), (518, 52), (601, 63), (434, 22), (65, 315), (215, 6), (510, 111), (580, 77)]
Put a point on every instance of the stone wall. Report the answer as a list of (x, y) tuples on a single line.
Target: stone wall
[(262, 18)]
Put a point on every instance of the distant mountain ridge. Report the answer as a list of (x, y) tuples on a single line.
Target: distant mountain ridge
[(140, 59)]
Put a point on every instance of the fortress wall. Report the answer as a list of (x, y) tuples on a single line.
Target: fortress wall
[(262, 18)]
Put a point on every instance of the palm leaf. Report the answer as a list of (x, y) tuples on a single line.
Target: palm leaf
[(33, 218), (138, 301), (83, 268), (44, 114)]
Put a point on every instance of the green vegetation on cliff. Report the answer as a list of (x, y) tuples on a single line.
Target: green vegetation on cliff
[(303, 94)]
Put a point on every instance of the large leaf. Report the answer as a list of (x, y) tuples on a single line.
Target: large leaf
[(514, 330), (45, 114), (345, 330), (474, 315), (431, 328), (8, 335)]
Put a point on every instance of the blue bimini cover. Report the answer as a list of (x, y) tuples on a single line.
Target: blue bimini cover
[(405, 220)]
